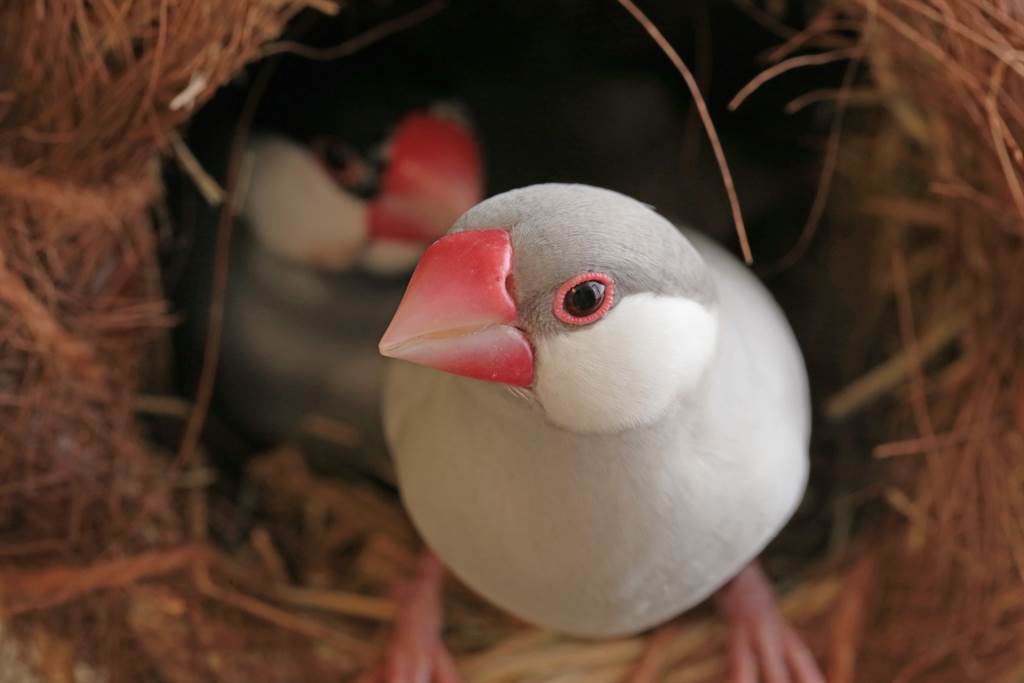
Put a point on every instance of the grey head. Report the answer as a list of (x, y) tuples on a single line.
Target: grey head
[(560, 230), (614, 312)]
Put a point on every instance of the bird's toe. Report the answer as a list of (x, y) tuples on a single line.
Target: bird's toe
[(415, 653), (742, 661), (769, 644), (801, 661), (764, 647)]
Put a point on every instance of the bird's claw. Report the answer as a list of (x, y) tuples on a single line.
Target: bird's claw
[(772, 653), (414, 666), (763, 646), (415, 653)]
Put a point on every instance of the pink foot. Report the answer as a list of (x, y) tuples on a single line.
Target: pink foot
[(416, 653), (763, 646)]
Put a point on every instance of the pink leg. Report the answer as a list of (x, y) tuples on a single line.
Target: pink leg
[(763, 647), (416, 653)]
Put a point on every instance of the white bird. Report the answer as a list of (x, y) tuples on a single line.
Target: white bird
[(603, 423), (330, 233)]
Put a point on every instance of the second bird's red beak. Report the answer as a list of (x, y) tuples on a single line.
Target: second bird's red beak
[(434, 175), (458, 314)]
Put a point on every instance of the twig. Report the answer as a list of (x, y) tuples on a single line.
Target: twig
[(709, 126), (889, 374), (863, 97), (924, 444), (330, 430), (652, 660), (357, 43), (328, 7), (562, 655), (699, 636), (793, 63), (338, 602), (186, 99), (1001, 136), (74, 355), (828, 169), (208, 187), (905, 309), (26, 590), (218, 287), (848, 622), (333, 601), (273, 563), (909, 211), (316, 630)]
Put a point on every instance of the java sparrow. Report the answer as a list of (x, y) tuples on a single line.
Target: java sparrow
[(327, 236), (600, 423)]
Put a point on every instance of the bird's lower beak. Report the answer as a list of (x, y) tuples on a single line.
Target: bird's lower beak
[(458, 315), (433, 176)]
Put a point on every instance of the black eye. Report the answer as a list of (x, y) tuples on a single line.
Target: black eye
[(348, 167), (335, 157), (584, 299)]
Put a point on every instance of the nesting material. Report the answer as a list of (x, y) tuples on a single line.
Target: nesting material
[(939, 181), (89, 92), (118, 562)]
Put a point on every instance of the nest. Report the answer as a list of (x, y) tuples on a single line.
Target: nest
[(108, 570)]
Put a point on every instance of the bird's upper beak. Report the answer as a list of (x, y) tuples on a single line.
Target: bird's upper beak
[(458, 314), (434, 175)]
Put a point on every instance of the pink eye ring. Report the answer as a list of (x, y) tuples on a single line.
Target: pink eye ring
[(584, 298)]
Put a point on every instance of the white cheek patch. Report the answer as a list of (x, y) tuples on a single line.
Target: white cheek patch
[(296, 210), (625, 370)]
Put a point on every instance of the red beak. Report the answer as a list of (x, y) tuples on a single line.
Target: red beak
[(458, 315), (434, 175)]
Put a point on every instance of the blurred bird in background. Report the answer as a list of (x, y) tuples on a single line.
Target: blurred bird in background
[(335, 212)]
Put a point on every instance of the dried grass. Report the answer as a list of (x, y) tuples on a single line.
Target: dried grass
[(942, 176), (104, 555), (86, 94)]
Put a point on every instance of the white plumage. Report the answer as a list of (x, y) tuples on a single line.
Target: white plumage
[(297, 211), (656, 454)]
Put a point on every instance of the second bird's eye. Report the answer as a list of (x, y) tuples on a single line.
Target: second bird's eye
[(583, 299), (347, 167)]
